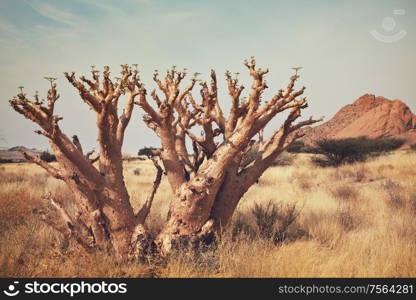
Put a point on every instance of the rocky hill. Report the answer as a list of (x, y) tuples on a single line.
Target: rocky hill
[(14, 154), (370, 116)]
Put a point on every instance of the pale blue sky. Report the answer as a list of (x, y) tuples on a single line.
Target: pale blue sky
[(330, 39)]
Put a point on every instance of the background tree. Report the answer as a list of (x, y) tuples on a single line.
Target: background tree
[(103, 217), (350, 150), (47, 156), (147, 151), (208, 184)]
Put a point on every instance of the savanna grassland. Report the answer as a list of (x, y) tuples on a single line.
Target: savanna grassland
[(351, 221)]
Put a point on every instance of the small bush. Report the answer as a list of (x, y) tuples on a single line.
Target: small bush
[(395, 198), (46, 156), (347, 218), (345, 193), (241, 225), (273, 220), (266, 217), (350, 150)]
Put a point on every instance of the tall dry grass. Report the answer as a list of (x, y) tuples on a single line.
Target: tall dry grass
[(351, 221)]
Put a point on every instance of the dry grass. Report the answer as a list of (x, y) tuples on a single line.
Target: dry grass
[(354, 221)]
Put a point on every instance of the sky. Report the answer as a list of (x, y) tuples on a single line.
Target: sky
[(346, 48)]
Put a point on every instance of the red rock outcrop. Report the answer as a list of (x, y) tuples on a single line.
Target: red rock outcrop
[(369, 116)]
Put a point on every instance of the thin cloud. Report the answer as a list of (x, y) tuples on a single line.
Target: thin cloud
[(55, 14), (108, 8), (112, 8)]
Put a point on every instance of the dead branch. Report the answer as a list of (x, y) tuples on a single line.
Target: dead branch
[(145, 210)]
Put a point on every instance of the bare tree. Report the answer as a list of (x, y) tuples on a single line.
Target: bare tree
[(104, 217), (208, 184)]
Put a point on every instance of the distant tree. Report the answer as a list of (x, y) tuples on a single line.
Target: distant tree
[(148, 151), (47, 156), (350, 150)]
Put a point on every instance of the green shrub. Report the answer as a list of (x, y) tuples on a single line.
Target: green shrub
[(350, 150)]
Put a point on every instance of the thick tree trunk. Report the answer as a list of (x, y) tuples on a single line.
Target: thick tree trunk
[(188, 215), (120, 221), (197, 214), (226, 203), (205, 205), (105, 213)]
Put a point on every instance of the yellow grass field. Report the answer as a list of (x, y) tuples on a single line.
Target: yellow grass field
[(354, 221)]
